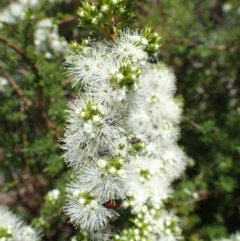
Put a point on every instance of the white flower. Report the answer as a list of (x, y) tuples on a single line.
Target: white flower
[(46, 23), (16, 10), (89, 215), (81, 14), (12, 13), (53, 195), (46, 36), (96, 119), (88, 128), (100, 183), (117, 98), (130, 46), (159, 80), (101, 235), (48, 55), (153, 127), (84, 137), (95, 21), (15, 228), (146, 184), (122, 173), (56, 43), (89, 67), (104, 8), (174, 162), (227, 7), (167, 226), (101, 163), (157, 120), (3, 83), (29, 3)]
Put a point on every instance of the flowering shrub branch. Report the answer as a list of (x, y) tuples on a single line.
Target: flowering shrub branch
[(121, 133)]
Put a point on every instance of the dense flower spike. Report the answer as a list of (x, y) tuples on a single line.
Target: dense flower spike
[(12, 228), (122, 129), (121, 136)]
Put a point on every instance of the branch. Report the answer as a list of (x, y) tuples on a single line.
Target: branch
[(194, 124), (194, 43), (22, 54), (19, 91), (67, 20), (17, 88)]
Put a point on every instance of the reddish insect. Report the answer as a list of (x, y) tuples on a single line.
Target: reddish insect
[(113, 204)]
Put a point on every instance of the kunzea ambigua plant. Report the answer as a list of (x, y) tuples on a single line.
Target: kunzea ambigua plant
[(122, 129)]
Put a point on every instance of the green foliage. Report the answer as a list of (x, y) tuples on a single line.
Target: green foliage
[(201, 43), (33, 98), (106, 16)]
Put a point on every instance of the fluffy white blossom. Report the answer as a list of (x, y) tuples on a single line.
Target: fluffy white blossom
[(121, 138), (131, 45), (152, 224), (157, 122), (227, 7), (84, 137), (90, 66), (53, 195), (160, 80), (85, 211), (16, 10), (101, 183), (147, 182), (12, 13), (46, 37), (12, 228)]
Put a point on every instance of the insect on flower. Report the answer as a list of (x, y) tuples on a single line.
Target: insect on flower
[(152, 60), (113, 204), (134, 140), (104, 152)]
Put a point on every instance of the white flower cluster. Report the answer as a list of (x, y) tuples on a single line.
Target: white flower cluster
[(47, 39), (160, 162), (156, 124), (12, 228), (151, 224), (53, 195), (16, 10), (121, 137)]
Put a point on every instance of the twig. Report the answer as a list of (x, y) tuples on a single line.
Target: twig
[(22, 54), (194, 124), (193, 43), (67, 20), (17, 88)]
